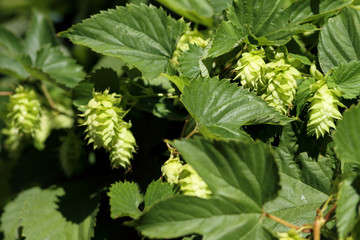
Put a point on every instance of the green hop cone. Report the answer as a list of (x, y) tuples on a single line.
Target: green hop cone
[(191, 183), (290, 235), (102, 118), (124, 147), (171, 170), (323, 109), (251, 69), (24, 112), (281, 85)]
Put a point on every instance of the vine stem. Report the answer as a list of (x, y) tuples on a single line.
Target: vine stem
[(282, 221), (317, 228), (192, 132), (331, 211), (5, 93)]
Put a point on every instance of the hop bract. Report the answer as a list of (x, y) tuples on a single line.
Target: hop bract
[(171, 170), (192, 184), (281, 83), (251, 69), (323, 110), (24, 112), (122, 151), (102, 119)]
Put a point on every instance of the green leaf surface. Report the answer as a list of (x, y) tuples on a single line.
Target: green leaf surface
[(199, 11), (244, 172), (11, 43), (340, 39), (125, 198), (52, 65), (158, 191), (297, 203), (215, 219), (190, 61), (229, 106), (303, 94), (142, 36), (346, 137), (41, 216), (180, 82), (346, 78), (12, 67), (346, 210), (219, 5), (39, 33)]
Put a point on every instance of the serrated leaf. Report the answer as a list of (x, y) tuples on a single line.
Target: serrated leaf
[(215, 219), (217, 132), (303, 94), (190, 61), (244, 172), (297, 203), (39, 33), (158, 191), (11, 43), (346, 210), (340, 39), (346, 137), (143, 36), (125, 198), (346, 78), (37, 212), (226, 38), (199, 11), (52, 65), (229, 106), (180, 82)]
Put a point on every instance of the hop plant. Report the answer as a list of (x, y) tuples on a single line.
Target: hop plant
[(189, 37), (24, 112), (171, 170), (192, 184), (280, 79), (323, 109), (123, 149), (251, 69), (102, 119)]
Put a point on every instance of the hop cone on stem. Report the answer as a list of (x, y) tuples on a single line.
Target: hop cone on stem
[(192, 184)]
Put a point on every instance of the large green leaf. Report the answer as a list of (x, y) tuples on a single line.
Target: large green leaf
[(340, 39), (11, 43), (244, 172), (12, 67), (125, 198), (297, 203), (346, 210), (228, 108), (190, 61), (346, 78), (199, 11), (52, 65), (158, 191), (39, 33), (346, 137), (142, 36), (215, 219), (41, 216), (242, 177)]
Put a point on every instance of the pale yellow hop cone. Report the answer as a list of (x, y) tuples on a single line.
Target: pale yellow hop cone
[(171, 170), (192, 184)]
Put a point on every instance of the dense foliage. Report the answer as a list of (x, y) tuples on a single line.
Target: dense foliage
[(187, 119)]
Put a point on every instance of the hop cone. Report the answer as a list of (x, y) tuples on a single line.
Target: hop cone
[(122, 151), (290, 235), (24, 112), (192, 184), (171, 170), (102, 119), (323, 110), (281, 85), (251, 69)]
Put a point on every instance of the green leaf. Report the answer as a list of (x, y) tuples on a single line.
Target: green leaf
[(303, 94), (199, 11), (215, 219), (340, 39), (158, 191), (229, 106), (219, 5), (52, 65), (39, 33), (11, 43), (143, 36), (180, 82), (41, 216), (12, 67), (297, 203), (346, 210), (346, 137), (125, 198), (244, 172), (190, 61), (346, 78), (226, 38)]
